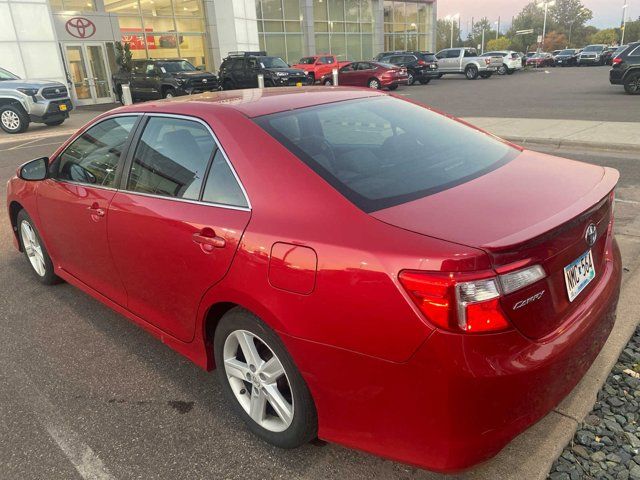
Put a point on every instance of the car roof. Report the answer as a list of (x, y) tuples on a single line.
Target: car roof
[(252, 102)]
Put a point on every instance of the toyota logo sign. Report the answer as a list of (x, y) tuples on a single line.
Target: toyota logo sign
[(80, 27)]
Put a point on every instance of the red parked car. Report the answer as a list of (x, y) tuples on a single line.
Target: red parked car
[(358, 267), (319, 66), (540, 60), (375, 75)]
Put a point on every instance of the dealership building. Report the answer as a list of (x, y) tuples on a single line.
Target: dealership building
[(73, 41)]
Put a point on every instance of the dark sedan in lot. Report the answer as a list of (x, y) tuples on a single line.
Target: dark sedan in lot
[(567, 58)]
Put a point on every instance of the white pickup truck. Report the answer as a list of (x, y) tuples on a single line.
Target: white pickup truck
[(467, 62)]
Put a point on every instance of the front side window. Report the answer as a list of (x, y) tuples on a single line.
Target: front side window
[(395, 153), (171, 158), (93, 157), (307, 61), (7, 75)]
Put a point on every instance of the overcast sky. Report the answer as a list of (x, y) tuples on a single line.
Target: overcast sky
[(606, 13)]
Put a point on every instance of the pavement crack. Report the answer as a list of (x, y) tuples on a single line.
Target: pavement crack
[(567, 416)]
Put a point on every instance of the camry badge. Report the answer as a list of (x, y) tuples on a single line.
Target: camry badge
[(591, 234)]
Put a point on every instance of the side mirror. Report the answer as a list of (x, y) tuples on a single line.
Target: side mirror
[(34, 170)]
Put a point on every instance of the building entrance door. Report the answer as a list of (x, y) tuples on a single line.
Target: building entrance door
[(89, 71)]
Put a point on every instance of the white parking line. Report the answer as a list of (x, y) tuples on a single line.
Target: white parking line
[(32, 146), (632, 202), (81, 456)]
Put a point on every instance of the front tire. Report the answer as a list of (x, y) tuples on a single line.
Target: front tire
[(424, 81), (471, 72), (261, 381), (13, 119), (411, 79), (632, 84), (327, 82), (33, 248)]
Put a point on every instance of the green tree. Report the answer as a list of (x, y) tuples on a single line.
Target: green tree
[(632, 32), (502, 43), (443, 34), (555, 41), (124, 56), (608, 36), (569, 14), (475, 36)]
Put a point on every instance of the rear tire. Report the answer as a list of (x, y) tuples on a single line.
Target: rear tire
[(374, 83), (503, 70), (471, 72), (327, 82), (632, 84), (411, 79), (424, 81), (243, 341), (169, 93), (35, 251), (13, 119)]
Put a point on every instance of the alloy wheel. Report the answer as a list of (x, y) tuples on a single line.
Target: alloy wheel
[(10, 120), (634, 85), (410, 80), (258, 380), (33, 248), (374, 84)]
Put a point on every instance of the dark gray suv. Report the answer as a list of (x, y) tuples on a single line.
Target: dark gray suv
[(26, 101)]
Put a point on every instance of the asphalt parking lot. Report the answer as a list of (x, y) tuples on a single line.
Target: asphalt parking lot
[(86, 394), (555, 93)]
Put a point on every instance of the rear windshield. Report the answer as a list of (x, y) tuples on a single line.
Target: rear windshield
[(385, 151), (429, 57), (567, 52)]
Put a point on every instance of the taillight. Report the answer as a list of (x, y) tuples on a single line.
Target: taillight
[(616, 61), (421, 62), (466, 302), (487, 61)]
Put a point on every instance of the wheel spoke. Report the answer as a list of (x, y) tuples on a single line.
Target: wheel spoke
[(272, 370), (283, 408), (258, 405), (249, 350), (236, 368)]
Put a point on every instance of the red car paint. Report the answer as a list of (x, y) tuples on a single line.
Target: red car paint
[(322, 65), (324, 275), (353, 75)]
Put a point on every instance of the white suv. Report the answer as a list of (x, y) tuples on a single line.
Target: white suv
[(511, 61)]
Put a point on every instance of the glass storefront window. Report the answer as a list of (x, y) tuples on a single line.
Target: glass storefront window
[(192, 49), (72, 5), (191, 8), (407, 25), (350, 23), (190, 24), (159, 24), (280, 28), (156, 7), (120, 7)]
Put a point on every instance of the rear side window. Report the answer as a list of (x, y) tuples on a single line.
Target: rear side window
[(470, 53), (429, 58), (453, 53), (93, 157), (171, 158), (635, 52), (385, 151), (221, 186)]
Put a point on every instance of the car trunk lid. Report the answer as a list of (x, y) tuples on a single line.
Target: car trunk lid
[(533, 210)]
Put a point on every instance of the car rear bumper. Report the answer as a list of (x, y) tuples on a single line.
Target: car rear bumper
[(460, 398), (615, 76)]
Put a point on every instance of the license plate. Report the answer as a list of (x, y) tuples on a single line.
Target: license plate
[(63, 107), (298, 84), (578, 274)]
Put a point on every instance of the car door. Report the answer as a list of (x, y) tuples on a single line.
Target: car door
[(138, 79), (176, 222), (348, 74), (365, 71), (73, 204), (250, 72)]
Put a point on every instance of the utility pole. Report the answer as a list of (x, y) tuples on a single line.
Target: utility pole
[(482, 50), (498, 29), (545, 4), (624, 20)]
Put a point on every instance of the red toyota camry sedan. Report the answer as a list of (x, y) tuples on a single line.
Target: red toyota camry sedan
[(358, 267)]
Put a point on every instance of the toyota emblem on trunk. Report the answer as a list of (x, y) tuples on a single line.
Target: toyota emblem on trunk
[(591, 234)]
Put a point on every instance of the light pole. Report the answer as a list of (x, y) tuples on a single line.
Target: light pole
[(497, 23), (624, 21), (545, 5), (580, 12), (452, 18)]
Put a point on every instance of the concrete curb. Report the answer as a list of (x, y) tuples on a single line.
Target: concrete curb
[(562, 143), (532, 453)]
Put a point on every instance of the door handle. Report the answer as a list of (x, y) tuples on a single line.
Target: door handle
[(208, 240), (96, 210)]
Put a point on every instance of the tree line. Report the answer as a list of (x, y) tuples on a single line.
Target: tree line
[(567, 27)]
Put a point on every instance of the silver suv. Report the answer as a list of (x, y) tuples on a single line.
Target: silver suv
[(26, 101)]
